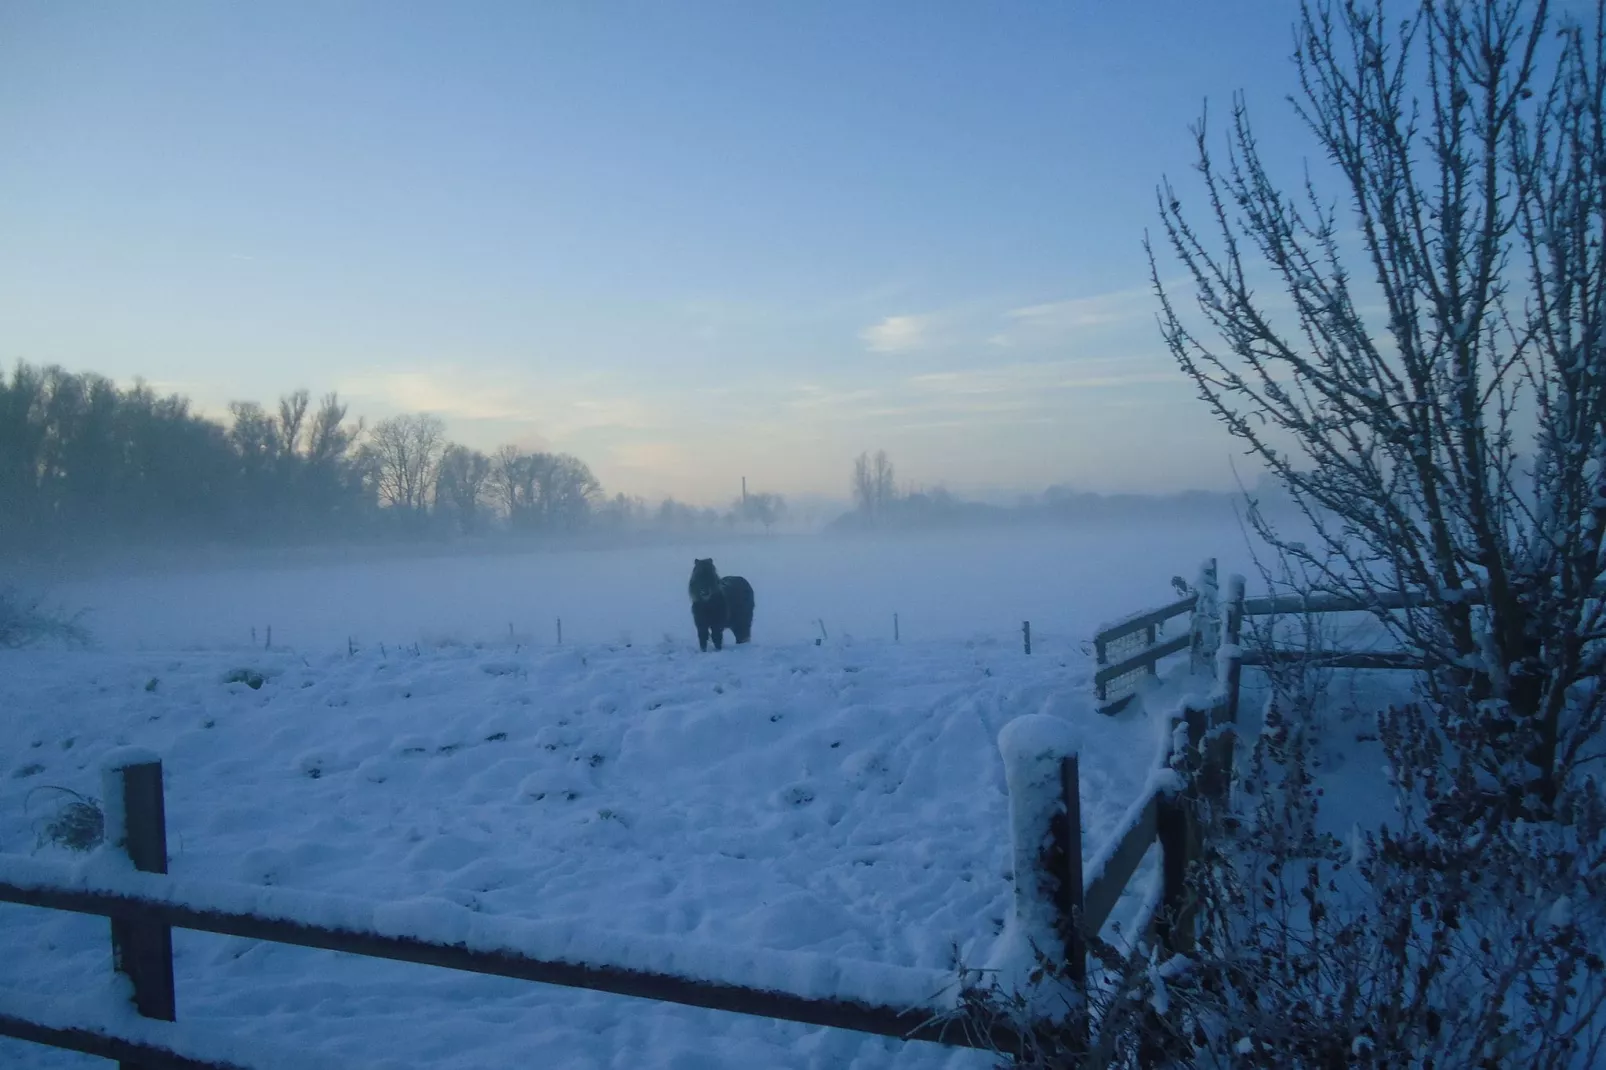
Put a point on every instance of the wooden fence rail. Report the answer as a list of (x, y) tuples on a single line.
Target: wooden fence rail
[(105, 1042), (1166, 816), (191, 907), (144, 908), (1150, 622), (1051, 877)]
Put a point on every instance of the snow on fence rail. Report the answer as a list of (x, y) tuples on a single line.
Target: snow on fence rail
[(1134, 642), (1202, 639), (1060, 904), (130, 886), (1062, 900)]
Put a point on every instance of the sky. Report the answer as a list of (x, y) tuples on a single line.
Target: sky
[(686, 242)]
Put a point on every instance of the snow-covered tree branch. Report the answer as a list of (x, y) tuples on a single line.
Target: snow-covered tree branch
[(1431, 387)]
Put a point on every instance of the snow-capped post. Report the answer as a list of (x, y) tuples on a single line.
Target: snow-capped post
[(895, 628), (1176, 827), (1026, 634), (268, 645), (560, 631), (1232, 671), (1101, 658), (1045, 820), (1206, 623), (136, 825)]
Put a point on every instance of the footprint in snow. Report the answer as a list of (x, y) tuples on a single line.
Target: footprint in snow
[(795, 796)]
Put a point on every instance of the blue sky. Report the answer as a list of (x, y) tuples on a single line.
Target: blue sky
[(684, 241)]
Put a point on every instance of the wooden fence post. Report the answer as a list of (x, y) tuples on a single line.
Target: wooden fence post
[(1218, 759), (1026, 634), (1235, 664), (1203, 624), (1101, 656), (1178, 832), (1151, 636), (1066, 837), (1045, 814), (1174, 923), (136, 823)]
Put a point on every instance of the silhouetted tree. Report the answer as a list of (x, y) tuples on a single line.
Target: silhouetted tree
[(542, 490), (1455, 442), (462, 484), (405, 452), (874, 489), (759, 508), (82, 461)]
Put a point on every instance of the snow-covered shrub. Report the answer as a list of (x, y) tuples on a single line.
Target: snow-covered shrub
[(1446, 936), (26, 620), (1453, 938), (76, 823), (249, 677)]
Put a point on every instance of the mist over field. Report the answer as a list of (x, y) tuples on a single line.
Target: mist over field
[(943, 585)]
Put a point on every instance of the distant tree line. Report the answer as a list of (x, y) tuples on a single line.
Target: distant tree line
[(84, 462), (880, 504)]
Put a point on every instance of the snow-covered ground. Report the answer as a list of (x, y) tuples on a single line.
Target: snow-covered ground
[(845, 798)]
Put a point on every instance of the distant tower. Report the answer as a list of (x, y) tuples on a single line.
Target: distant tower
[(744, 490)]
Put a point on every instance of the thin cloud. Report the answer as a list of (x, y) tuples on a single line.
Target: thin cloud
[(1079, 313), (427, 392), (808, 397), (897, 334), (1033, 378), (560, 410)]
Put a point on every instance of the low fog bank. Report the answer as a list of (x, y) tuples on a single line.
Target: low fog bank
[(940, 510), (943, 585), (105, 546)]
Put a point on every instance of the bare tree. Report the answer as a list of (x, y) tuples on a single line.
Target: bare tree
[(461, 483), (292, 417), (329, 440), (874, 488), (1451, 448), (512, 481), (567, 489), (542, 490), (406, 452), (760, 508), (255, 435)]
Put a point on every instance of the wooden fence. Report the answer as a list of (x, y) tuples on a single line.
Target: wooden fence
[(1083, 893), (1165, 814), (1148, 624), (144, 906)]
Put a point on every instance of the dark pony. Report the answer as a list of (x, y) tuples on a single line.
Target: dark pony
[(719, 603)]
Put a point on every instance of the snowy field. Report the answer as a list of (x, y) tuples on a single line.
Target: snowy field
[(844, 798)]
